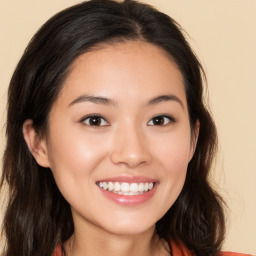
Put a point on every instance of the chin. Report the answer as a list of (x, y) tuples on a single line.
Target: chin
[(128, 226), (130, 230)]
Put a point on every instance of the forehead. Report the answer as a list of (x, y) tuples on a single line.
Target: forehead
[(121, 70)]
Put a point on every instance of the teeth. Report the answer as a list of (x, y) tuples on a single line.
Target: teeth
[(134, 187), (117, 187), (105, 185), (141, 187), (111, 186), (124, 188)]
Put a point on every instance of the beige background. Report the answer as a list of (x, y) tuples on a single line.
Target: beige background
[(223, 34)]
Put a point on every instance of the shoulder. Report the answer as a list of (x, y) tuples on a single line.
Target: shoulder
[(179, 249), (57, 251), (234, 254)]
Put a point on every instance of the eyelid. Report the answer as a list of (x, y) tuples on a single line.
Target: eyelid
[(169, 120)]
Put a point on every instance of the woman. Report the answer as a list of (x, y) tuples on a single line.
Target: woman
[(109, 143)]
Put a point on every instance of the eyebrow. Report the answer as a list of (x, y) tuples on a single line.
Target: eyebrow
[(93, 99), (107, 101), (164, 98)]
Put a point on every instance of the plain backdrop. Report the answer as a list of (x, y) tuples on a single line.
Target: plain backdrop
[(223, 34)]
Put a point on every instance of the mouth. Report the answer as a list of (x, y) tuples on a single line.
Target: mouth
[(125, 188)]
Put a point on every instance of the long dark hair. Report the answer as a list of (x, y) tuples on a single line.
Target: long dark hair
[(37, 216)]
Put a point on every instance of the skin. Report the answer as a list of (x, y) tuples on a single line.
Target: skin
[(127, 141)]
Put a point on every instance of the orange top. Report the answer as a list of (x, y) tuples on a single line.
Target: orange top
[(177, 251), (182, 251), (57, 251)]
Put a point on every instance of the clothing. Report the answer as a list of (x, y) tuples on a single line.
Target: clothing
[(182, 251), (57, 251), (177, 251)]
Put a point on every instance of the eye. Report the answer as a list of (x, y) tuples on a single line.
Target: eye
[(95, 120), (161, 120)]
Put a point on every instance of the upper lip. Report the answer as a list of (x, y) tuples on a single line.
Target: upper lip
[(128, 179)]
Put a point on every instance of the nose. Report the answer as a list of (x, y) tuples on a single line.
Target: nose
[(130, 148)]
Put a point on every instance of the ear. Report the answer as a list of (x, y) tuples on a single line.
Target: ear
[(194, 138), (36, 145)]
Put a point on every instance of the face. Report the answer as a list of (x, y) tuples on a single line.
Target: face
[(119, 138)]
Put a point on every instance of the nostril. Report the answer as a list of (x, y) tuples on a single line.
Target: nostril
[(130, 159)]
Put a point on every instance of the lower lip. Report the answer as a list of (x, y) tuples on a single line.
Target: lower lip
[(129, 200)]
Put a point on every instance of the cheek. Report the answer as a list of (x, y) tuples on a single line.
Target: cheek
[(174, 150), (173, 157), (74, 162), (74, 155)]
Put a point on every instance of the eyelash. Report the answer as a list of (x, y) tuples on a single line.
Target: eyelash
[(162, 119)]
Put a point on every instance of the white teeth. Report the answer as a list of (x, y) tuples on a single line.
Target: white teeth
[(111, 186), (117, 187), (125, 188), (134, 187), (105, 185), (141, 187)]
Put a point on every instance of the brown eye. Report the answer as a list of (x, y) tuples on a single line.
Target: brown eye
[(95, 121), (160, 120)]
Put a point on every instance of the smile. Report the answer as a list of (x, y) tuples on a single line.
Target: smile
[(125, 188)]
